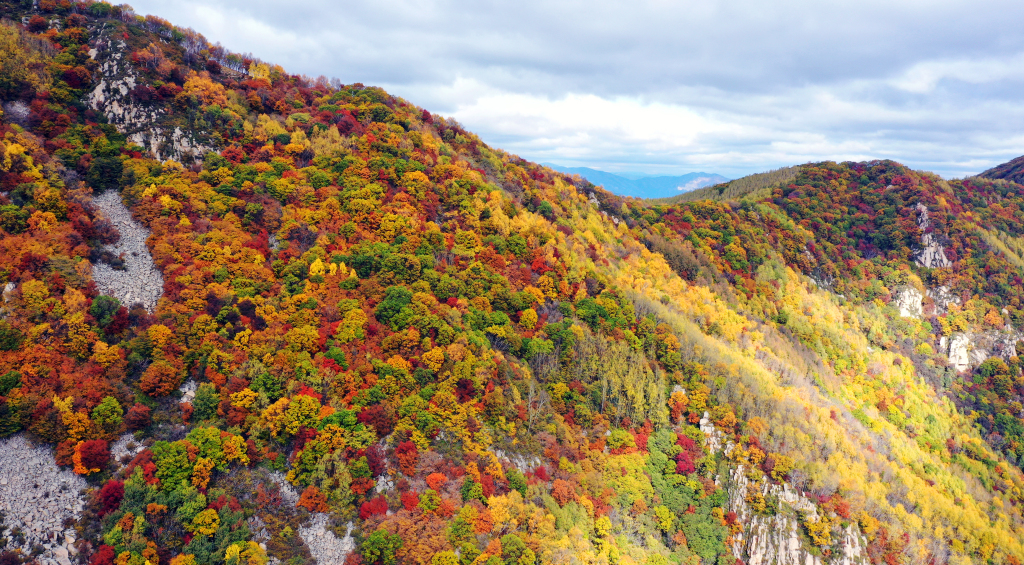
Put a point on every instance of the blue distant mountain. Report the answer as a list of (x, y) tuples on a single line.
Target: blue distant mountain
[(643, 186)]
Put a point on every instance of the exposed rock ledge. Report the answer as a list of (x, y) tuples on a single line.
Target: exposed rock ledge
[(140, 281), (324, 545), (970, 349), (775, 539), (38, 497), (932, 255), (113, 97), (909, 302)]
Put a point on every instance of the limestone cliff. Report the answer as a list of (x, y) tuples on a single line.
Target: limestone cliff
[(966, 350), (932, 254), (145, 124), (773, 535)]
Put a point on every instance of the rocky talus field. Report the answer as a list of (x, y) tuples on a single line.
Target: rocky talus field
[(137, 280)]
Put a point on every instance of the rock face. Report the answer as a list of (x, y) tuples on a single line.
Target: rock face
[(959, 356), (942, 296), (969, 349), (324, 545), (775, 539), (125, 449), (140, 281), (113, 97), (37, 498), (8, 292), (713, 437), (932, 255), (909, 302)]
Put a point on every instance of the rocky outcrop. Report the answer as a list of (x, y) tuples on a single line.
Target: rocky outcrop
[(288, 494), (39, 501), (324, 545), (8, 294), (932, 255), (959, 352), (140, 281), (139, 121), (966, 350), (909, 302), (713, 439), (125, 449), (942, 297), (188, 390), (525, 463), (775, 539), (995, 343)]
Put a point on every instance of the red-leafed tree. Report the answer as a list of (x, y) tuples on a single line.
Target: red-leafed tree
[(408, 456), (109, 497), (138, 417)]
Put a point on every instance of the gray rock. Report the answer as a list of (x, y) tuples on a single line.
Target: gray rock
[(932, 255), (140, 281), (112, 96), (30, 476), (324, 545), (942, 296), (909, 302)]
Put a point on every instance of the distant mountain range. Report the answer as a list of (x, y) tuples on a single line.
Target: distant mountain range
[(643, 186)]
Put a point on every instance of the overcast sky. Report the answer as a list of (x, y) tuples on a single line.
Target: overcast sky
[(730, 87)]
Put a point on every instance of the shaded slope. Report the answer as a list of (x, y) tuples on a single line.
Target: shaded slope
[(1011, 170)]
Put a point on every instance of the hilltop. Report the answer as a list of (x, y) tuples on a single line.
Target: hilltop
[(1012, 170), (272, 319)]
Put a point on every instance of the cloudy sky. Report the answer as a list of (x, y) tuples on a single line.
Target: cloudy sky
[(722, 86)]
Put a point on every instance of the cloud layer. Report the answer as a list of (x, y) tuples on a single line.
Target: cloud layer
[(661, 86)]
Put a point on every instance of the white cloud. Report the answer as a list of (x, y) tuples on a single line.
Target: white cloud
[(924, 77), (736, 86)]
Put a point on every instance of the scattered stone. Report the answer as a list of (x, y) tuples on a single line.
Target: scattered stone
[(125, 448), (324, 545), (140, 281), (37, 497), (188, 390)]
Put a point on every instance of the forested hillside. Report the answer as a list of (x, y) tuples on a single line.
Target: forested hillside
[(379, 340)]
